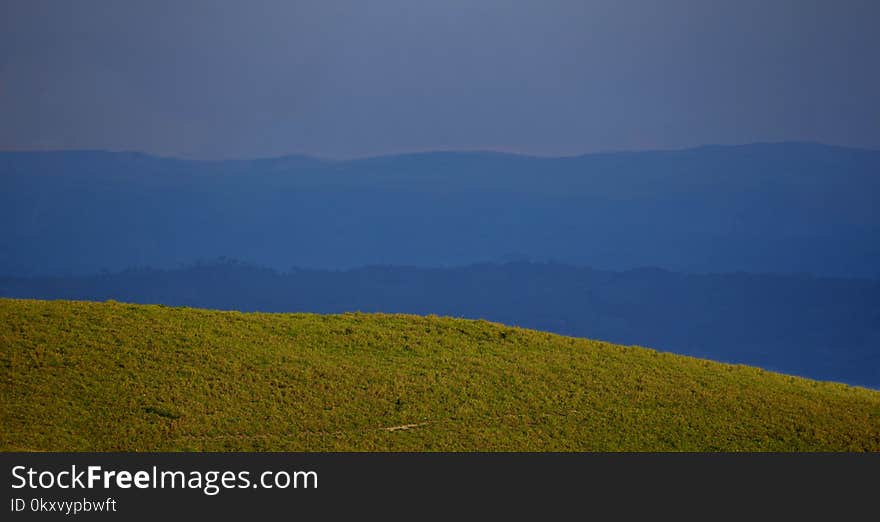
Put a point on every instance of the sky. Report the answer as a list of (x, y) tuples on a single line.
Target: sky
[(341, 79)]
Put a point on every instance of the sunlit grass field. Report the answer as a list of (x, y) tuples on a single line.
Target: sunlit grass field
[(79, 376)]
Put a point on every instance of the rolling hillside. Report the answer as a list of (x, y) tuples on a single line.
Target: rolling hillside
[(820, 328), (111, 376)]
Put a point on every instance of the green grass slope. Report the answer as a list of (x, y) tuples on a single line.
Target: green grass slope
[(111, 376)]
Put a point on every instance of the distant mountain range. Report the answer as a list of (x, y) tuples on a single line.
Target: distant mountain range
[(822, 328), (783, 208)]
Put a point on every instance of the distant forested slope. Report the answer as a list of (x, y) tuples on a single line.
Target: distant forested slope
[(784, 208)]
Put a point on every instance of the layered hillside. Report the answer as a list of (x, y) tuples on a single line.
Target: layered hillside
[(779, 208)]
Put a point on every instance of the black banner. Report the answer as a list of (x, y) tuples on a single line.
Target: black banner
[(415, 486)]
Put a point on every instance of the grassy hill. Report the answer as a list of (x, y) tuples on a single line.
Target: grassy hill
[(111, 376)]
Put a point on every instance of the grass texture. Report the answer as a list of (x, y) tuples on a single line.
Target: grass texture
[(82, 376)]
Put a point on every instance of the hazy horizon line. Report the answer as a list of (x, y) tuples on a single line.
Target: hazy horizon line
[(439, 150)]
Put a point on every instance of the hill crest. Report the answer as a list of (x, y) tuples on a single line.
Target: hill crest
[(113, 377)]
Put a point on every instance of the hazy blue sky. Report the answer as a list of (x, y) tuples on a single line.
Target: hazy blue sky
[(220, 79)]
